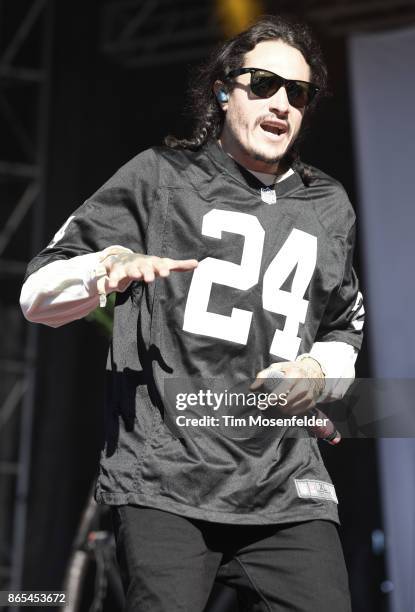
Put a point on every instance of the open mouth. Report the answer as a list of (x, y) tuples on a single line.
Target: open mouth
[(273, 128)]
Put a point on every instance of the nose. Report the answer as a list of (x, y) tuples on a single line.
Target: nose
[(279, 101)]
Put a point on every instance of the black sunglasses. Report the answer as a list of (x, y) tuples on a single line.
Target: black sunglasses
[(265, 84)]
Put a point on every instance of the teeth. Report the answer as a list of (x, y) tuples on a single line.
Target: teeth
[(273, 129)]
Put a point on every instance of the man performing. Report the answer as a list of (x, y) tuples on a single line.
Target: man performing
[(232, 261)]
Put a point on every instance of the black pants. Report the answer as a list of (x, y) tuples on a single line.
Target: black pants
[(170, 563)]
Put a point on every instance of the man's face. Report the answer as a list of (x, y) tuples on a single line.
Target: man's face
[(257, 132)]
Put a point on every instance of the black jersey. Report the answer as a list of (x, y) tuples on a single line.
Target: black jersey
[(272, 280)]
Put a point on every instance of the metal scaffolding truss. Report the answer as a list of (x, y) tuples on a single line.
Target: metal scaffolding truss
[(139, 33), (25, 49), (156, 32)]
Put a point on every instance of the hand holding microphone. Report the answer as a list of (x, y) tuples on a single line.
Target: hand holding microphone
[(304, 385)]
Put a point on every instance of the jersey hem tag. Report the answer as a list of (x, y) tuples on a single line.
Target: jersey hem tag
[(316, 489)]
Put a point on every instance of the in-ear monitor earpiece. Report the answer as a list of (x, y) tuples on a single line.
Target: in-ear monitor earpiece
[(222, 96)]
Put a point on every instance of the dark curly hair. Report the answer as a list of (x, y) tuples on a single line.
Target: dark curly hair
[(207, 113)]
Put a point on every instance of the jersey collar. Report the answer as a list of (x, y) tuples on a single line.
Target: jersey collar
[(269, 179), (225, 163)]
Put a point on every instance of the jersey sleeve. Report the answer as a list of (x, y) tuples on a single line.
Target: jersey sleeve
[(117, 214), (344, 315)]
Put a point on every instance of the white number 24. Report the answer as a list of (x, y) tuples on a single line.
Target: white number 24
[(299, 252)]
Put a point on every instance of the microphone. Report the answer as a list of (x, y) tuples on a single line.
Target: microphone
[(327, 432)]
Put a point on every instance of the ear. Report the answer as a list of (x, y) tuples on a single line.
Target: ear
[(221, 94)]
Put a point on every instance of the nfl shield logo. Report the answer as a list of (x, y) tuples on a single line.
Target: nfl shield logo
[(268, 195)]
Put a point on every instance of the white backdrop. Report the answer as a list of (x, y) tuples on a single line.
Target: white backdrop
[(382, 75)]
